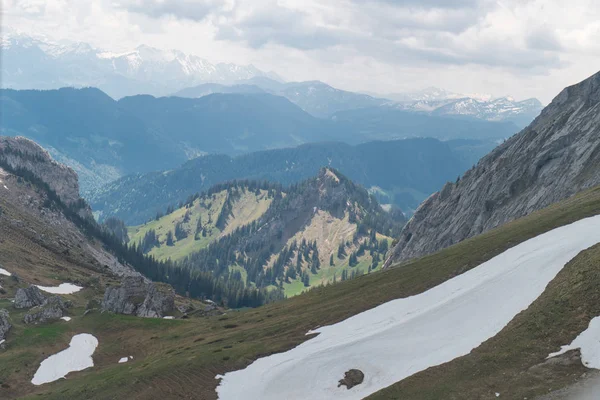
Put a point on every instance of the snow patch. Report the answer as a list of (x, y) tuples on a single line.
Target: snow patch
[(66, 318), (76, 358), (4, 272), (588, 342), (63, 288), (169, 317), (405, 336), (123, 360)]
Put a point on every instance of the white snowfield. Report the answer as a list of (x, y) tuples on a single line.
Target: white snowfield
[(63, 288), (402, 337), (76, 358), (588, 342), (4, 272), (66, 318)]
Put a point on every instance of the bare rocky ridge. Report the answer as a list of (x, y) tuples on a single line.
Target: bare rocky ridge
[(552, 159), (22, 153)]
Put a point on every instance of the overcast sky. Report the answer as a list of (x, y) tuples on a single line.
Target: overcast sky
[(526, 48)]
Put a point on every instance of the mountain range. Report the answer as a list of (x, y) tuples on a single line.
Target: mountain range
[(37, 62), (104, 139), (399, 172)]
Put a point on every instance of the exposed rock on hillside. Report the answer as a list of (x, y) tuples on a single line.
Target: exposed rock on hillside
[(22, 153), (352, 378), (555, 157), (30, 297), (136, 296), (53, 309), (4, 324)]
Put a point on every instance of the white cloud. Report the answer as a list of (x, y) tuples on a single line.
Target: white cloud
[(523, 47)]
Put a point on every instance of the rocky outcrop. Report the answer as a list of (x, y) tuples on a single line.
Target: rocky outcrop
[(22, 153), (5, 324), (52, 309), (30, 297), (136, 296), (555, 157), (352, 378)]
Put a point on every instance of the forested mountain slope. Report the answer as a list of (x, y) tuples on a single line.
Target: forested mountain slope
[(319, 231), (402, 173), (556, 156)]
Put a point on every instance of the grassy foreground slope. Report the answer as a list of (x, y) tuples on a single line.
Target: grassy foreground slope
[(179, 359)]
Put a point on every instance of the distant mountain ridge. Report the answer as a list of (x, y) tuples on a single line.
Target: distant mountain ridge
[(314, 97), (104, 139), (38, 63), (401, 172), (499, 109)]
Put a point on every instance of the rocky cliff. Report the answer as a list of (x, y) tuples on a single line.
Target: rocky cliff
[(22, 153), (555, 157)]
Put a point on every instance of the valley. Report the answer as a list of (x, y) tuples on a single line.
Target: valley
[(333, 200)]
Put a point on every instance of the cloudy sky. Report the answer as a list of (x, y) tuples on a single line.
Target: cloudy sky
[(525, 48)]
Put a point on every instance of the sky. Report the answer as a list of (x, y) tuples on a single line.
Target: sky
[(523, 48)]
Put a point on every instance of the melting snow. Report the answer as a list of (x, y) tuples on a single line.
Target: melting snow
[(66, 318), (402, 337), (63, 288), (123, 360), (4, 272), (169, 317), (76, 358), (588, 342)]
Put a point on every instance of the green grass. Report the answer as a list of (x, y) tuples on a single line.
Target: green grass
[(181, 360), (246, 209)]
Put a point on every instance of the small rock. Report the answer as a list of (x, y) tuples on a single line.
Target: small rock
[(352, 378), (5, 324), (30, 297)]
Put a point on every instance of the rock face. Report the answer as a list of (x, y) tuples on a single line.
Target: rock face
[(138, 297), (30, 297), (22, 153), (555, 157), (54, 308), (352, 378), (4, 324)]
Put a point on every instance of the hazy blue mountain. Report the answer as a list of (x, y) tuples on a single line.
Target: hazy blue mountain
[(402, 172), (390, 122), (314, 97), (104, 139)]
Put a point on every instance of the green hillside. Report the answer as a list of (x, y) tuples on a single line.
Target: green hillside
[(181, 358), (323, 230), (194, 226)]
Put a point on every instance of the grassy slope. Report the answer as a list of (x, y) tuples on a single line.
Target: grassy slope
[(182, 361), (247, 209)]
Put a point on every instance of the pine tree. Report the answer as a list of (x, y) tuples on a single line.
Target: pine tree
[(170, 238)]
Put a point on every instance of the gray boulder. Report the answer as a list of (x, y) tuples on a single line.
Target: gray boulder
[(352, 378), (5, 324), (30, 297), (53, 309), (136, 296)]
